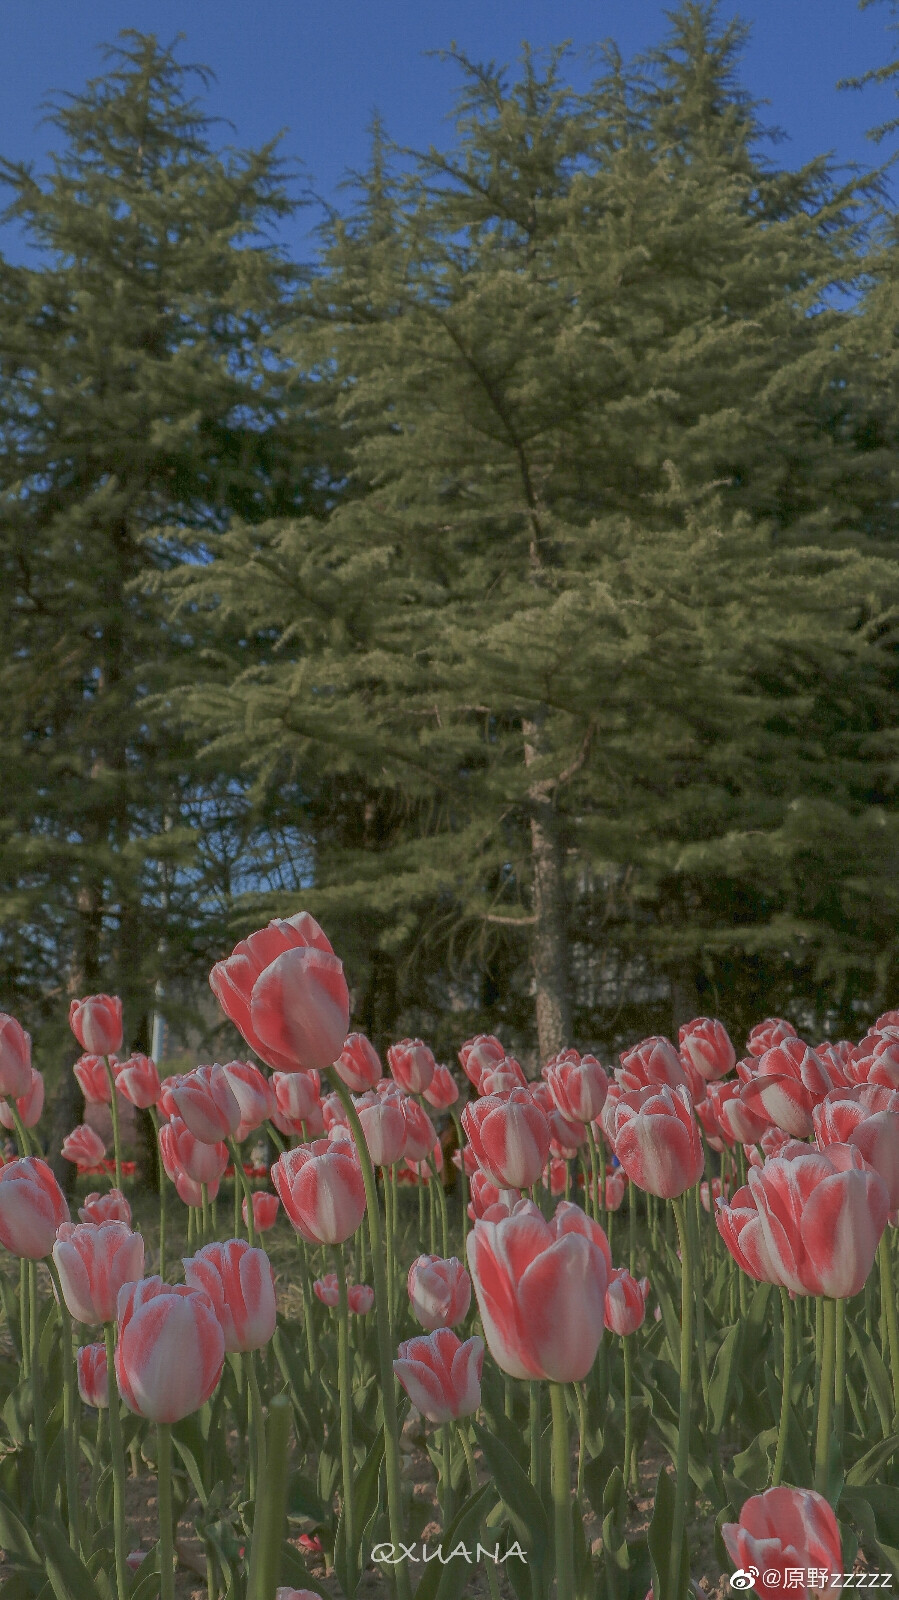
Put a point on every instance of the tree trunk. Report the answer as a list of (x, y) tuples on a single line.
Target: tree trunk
[(550, 939), (380, 1001)]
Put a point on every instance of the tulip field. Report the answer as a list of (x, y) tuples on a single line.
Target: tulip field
[(619, 1330)]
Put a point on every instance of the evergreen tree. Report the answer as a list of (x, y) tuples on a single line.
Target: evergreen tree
[(581, 627), (140, 406)]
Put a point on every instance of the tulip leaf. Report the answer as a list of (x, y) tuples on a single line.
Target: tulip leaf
[(187, 1437), (304, 1500), (722, 1378), (875, 1372), (296, 1574), (14, 1535), (660, 1536), (67, 1573), (523, 1505), (146, 1580), (365, 1497), (875, 1458), (448, 1582)]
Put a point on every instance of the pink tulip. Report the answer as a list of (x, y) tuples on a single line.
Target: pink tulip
[(191, 1193), (207, 1105), (285, 991), (657, 1141), (439, 1290), (510, 1137), (15, 1058), (875, 1060), (358, 1064), (742, 1118), (441, 1376), (109, 1207), (739, 1225), (84, 1147), (295, 1594), (506, 1075), (297, 1102), (578, 1087), (485, 1195), (888, 1019), (442, 1091), (625, 1305), (710, 1194), (820, 1217), (836, 1055), (616, 1184), (321, 1189), (420, 1134), (653, 1062), (93, 1080), (412, 1064), (29, 1105), (334, 1113), (94, 1261), (165, 1104), (790, 1080), (360, 1298), (327, 1289), (97, 1024), (784, 1531), (844, 1119), (705, 1044), (466, 1161), (556, 1175), (765, 1035), (265, 1210), (565, 1132), (254, 1095), (477, 1054), (540, 1289), (239, 1281), (93, 1377), (32, 1208), (384, 1126), (422, 1166), (170, 1349), (138, 1080), (182, 1152)]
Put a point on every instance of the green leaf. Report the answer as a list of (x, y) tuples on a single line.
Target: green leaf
[(296, 1574), (187, 1437), (523, 1505), (448, 1583), (660, 1535), (14, 1535), (875, 1372), (69, 1576), (722, 1378), (872, 1461)]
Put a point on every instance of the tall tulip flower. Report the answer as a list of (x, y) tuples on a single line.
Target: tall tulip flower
[(320, 1187), (412, 1064), (93, 1376), (109, 1207), (765, 1035), (207, 1105), (29, 1105), (15, 1058), (32, 1208), (625, 1305), (653, 1061), (821, 1216), (441, 1375), (84, 1147), (254, 1095), (384, 1125), (789, 1082), (358, 1065), (265, 1210), (439, 1291), (97, 1024), (706, 1045), (420, 1133), (578, 1087), (285, 991), (442, 1091), (510, 1136), (477, 1054), (94, 1261), (182, 1152), (297, 1102), (843, 1118), (656, 1139), (93, 1079), (170, 1351), (239, 1281), (137, 1079), (784, 1531)]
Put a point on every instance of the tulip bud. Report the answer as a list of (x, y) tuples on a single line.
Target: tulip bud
[(327, 1289), (138, 1080), (239, 1281), (321, 1189), (206, 1103), (285, 991), (657, 1141), (441, 1376), (625, 1304), (442, 1091), (29, 1105), (93, 1079), (15, 1058), (32, 1208), (84, 1147), (94, 1261), (182, 1152), (705, 1044), (439, 1290), (97, 1024), (360, 1298), (358, 1065), (265, 1210), (93, 1378), (510, 1138), (170, 1349), (412, 1064), (782, 1531)]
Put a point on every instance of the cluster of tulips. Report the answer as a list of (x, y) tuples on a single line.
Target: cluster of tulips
[(758, 1194)]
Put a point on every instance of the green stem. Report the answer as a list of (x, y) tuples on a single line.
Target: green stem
[(579, 1389), (446, 1475), (117, 1454), (564, 1542), (825, 1394), (154, 1117), (597, 1196), (114, 1113), (535, 1420), (345, 1390), (462, 1433), (385, 1342), (241, 1177), (437, 1184), (70, 1414), (632, 1227), (390, 1231), (888, 1301), (787, 1322), (25, 1145), (270, 1519), (628, 1419), (463, 1177), (37, 1377), (257, 1423), (839, 1388), (24, 1322), (166, 1530), (682, 1482), (204, 1206)]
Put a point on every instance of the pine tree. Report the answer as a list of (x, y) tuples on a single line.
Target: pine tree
[(140, 407), (601, 560)]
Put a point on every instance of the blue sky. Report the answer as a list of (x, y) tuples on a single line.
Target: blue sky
[(317, 70)]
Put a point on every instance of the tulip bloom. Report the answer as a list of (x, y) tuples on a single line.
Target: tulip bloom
[(657, 1141), (439, 1290), (782, 1531), (296, 1101), (138, 1080), (442, 1091), (321, 1189), (616, 1184), (207, 1105), (741, 1116), (285, 991), (420, 1135), (441, 1376), (652, 1062), (540, 1289), (844, 1119), (506, 1075), (820, 1218), (84, 1147), (578, 1087), (239, 1281), (191, 1193), (740, 1227), (170, 1349), (29, 1105), (705, 1044), (109, 1207), (32, 1208), (182, 1152), (876, 1060), (360, 1298), (790, 1080), (765, 1035), (93, 1377), (93, 1079), (15, 1058), (94, 1260), (477, 1054), (625, 1304), (412, 1064), (358, 1065), (485, 1195), (254, 1095), (510, 1138), (265, 1210), (327, 1289), (97, 1024), (384, 1126)]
